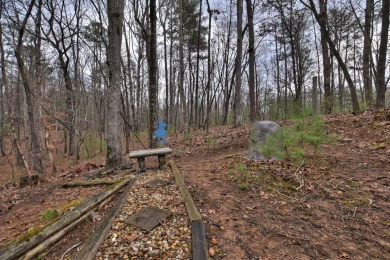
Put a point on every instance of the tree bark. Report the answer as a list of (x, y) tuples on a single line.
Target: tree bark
[(181, 68), (251, 51), (3, 87), (115, 10), (328, 96), (196, 106), (380, 84), (237, 95), (367, 81), (153, 84), (208, 86)]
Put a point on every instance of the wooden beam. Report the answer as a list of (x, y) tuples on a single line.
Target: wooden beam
[(198, 235), (199, 250), (90, 183), (192, 211), (91, 247), (16, 251)]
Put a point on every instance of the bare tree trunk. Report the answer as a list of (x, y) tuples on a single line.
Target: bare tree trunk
[(131, 85), (328, 97), (38, 76), (2, 88), (37, 154), (152, 61), (114, 121), (367, 81), (237, 95), (251, 50), (227, 86), (208, 86), (164, 27), (380, 84), (181, 68), (278, 87), (197, 64), (315, 95)]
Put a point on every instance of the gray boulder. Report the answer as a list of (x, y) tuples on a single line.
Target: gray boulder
[(259, 137)]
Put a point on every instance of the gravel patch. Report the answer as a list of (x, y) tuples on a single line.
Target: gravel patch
[(170, 240)]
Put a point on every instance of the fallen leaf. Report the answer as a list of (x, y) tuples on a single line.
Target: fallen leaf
[(132, 238), (222, 228), (211, 251), (213, 241), (344, 255)]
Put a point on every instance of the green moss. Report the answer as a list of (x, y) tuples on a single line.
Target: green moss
[(50, 214), (284, 185), (31, 232), (243, 186), (356, 184), (71, 204)]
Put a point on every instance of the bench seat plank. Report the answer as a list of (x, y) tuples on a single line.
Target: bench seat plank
[(150, 152), (141, 154)]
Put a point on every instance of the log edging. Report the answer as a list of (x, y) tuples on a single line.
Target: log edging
[(16, 251), (199, 250), (91, 247)]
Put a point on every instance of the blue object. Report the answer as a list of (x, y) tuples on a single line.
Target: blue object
[(161, 132)]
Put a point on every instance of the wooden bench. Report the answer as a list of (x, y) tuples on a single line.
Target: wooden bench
[(141, 154)]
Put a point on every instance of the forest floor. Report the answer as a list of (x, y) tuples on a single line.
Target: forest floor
[(335, 205)]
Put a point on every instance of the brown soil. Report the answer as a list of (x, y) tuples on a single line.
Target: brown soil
[(253, 210)]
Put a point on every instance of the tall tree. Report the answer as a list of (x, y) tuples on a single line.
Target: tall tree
[(328, 99), (367, 81), (38, 164), (2, 84), (152, 61), (251, 61), (380, 84), (237, 95), (114, 121), (208, 86)]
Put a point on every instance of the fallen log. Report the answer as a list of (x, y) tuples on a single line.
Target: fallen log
[(18, 250), (90, 183), (91, 247), (53, 239)]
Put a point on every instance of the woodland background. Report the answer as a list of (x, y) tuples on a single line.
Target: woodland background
[(92, 72)]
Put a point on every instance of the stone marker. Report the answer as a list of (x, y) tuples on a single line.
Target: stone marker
[(148, 218), (259, 137), (156, 183)]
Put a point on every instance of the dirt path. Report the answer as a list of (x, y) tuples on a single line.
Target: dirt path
[(342, 211)]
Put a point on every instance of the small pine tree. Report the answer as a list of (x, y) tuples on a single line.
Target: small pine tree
[(294, 140)]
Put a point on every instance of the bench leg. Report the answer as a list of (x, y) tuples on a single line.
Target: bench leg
[(141, 164), (161, 161)]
